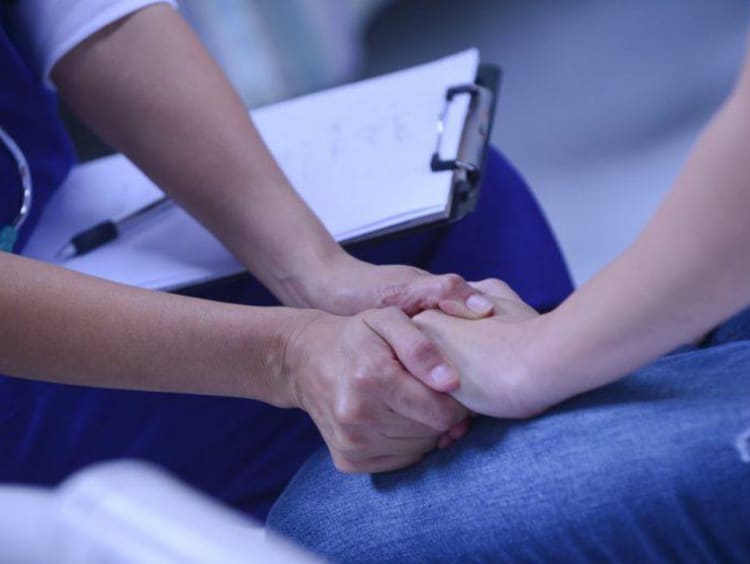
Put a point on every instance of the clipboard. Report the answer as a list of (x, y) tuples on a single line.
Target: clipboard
[(378, 158), (468, 165)]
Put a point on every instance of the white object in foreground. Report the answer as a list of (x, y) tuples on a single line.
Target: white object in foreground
[(129, 512)]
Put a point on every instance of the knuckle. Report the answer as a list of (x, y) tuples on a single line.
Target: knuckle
[(422, 351), (392, 295), (365, 378), (502, 285), (450, 282), (360, 376), (349, 412), (495, 285)]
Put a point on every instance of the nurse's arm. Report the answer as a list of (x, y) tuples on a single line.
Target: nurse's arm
[(147, 86), (62, 326)]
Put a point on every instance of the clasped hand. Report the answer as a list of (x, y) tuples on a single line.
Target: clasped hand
[(374, 384), (504, 360), (368, 381)]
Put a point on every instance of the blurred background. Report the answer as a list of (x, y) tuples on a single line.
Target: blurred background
[(601, 100)]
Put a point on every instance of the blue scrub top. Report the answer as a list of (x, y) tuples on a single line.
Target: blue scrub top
[(28, 114), (241, 451)]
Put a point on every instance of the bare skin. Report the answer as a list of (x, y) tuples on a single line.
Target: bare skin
[(491, 354), (686, 272), (148, 87)]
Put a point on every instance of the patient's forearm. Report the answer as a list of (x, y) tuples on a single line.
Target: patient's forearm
[(687, 271)]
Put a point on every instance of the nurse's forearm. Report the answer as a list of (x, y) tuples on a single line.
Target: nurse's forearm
[(148, 87), (62, 326), (686, 272)]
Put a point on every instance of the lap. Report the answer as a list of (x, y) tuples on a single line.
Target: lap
[(646, 469)]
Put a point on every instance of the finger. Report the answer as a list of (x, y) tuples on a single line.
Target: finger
[(376, 444), (376, 464), (495, 288), (396, 426), (454, 434), (413, 400), (388, 446), (414, 350), (444, 442), (452, 288), (462, 309), (427, 291), (459, 430), (506, 301), (376, 416)]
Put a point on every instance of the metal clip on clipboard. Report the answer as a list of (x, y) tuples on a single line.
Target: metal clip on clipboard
[(468, 164)]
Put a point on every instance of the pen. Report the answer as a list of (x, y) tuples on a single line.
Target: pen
[(106, 231)]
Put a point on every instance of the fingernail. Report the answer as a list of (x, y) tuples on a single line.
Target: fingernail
[(477, 303), (444, 377)]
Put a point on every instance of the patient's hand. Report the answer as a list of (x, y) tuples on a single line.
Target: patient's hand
[(495, 356)]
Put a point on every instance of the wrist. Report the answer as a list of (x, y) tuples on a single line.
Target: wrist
[(534, 377), (286, 262), (546, 370), (293, 357), (569, 357), (251, 357), (313, 282)]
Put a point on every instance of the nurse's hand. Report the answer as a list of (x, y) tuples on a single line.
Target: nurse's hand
[(369, 382), (345, 285)]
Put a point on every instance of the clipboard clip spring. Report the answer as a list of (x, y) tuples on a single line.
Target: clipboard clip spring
[(436, 162)]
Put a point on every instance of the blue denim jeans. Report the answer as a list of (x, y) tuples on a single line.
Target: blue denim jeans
[(653, 468)]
